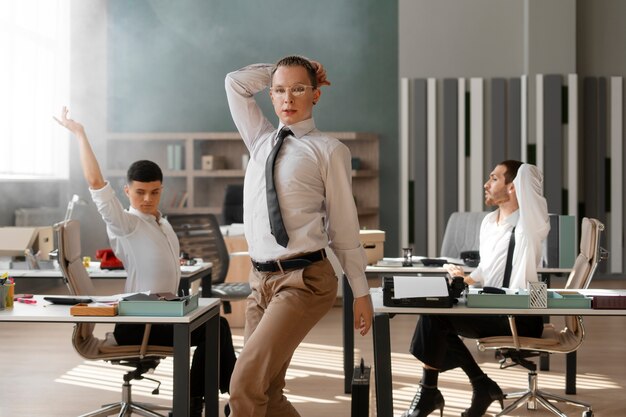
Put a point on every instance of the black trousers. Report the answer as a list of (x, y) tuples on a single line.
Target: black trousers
[(163, 335), (436, 340)]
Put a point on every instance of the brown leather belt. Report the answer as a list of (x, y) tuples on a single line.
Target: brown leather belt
[(298, 262)]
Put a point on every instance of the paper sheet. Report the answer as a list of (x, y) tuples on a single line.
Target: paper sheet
[(412, 287)]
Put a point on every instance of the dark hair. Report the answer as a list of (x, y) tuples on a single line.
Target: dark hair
[(297, 61), (512, 166), (144, 171)]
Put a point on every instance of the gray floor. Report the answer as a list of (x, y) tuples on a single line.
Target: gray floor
[(42, 376)]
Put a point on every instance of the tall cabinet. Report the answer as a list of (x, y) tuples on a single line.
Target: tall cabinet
[(198, 166)]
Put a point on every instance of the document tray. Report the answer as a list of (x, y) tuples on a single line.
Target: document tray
[(390, 301), (158, 308), (566, 299)]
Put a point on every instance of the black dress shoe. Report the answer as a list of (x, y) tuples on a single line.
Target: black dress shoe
[(484, 392), (426, 400)]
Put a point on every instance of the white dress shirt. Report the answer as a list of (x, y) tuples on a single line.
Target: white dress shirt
[(313, 182), (531, 224), (494, 246), (148, 248)]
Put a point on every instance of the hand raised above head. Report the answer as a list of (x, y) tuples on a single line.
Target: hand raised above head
[(71, 125)]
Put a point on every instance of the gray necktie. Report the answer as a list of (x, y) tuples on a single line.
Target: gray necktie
[(273, 207)]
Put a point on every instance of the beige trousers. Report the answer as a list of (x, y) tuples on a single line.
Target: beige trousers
[(280, 312)]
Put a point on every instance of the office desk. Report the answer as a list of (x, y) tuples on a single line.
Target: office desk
[(205, 316), (379, 272), (189, 274), (382, 344)]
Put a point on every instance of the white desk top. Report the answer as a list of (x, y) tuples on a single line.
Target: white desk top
[(420, 269), (44, 311), (377, 299), (95, 271)]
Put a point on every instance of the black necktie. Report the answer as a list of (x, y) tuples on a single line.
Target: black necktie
[(273, 207), (509, 260)]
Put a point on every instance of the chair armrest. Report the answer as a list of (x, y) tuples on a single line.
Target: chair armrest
[(514, 334)]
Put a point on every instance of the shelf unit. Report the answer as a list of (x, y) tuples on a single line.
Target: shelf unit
[(188, 189)]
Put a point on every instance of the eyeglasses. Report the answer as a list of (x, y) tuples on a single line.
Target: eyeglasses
[(296, 90)]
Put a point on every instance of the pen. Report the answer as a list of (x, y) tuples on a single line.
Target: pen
[(26, 301)]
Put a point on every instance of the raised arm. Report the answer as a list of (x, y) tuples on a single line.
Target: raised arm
[(91, 168)]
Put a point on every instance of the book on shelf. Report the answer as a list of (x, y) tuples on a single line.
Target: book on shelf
[(183, 200), (179, 199), (175, 157)]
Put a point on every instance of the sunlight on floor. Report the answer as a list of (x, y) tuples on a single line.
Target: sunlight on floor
[(326, 362)]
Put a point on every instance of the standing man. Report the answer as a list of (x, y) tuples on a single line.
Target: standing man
[(148, 247), (297, 200), (510, 250)]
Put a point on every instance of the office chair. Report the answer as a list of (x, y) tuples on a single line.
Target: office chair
[(462, 233), (200, 237), (142, 358), (232, 209), (515, 350)]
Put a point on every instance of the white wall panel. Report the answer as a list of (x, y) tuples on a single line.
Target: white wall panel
[(405, 123), (432, 166)]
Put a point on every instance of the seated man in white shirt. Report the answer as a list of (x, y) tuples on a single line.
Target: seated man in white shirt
[(147, 245), (517, 190)]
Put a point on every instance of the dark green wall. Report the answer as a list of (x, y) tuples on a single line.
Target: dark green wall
[(167, 62)]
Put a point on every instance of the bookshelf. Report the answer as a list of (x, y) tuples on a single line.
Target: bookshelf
[(190, 189)]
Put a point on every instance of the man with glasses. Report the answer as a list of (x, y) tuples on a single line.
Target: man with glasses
[(297, 200)]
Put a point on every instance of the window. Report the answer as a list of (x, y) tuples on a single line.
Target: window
[(34, 85)]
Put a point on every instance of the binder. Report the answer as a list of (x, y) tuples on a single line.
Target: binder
[(561, 241)]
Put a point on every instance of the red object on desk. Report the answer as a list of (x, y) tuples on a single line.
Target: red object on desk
[(108, 260)]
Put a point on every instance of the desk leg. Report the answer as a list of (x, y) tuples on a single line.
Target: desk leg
[(570, 373), (182, 343), (212, 366), (382, 365), (348, 336), (544, 358), (206, 285)]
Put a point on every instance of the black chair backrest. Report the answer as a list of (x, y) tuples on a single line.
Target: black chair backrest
[(232, 210), (200, 237)]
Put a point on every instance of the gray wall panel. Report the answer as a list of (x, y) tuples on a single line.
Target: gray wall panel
[(498, 121), (553, 142), (589, 140), (450, 171), (514, 120)]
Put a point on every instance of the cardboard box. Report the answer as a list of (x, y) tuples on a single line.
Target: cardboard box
[(373, 241), (15, 240), (213, 162)]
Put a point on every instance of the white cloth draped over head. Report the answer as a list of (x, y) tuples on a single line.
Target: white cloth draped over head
[(532, 227)]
